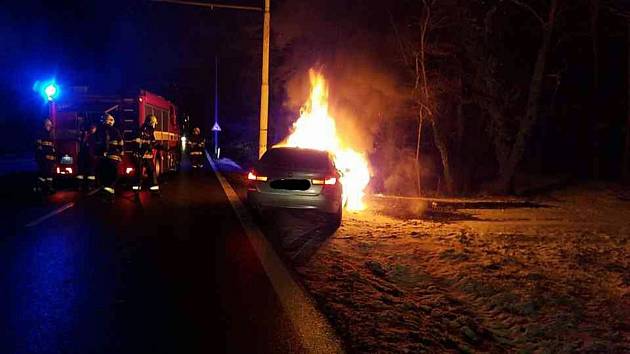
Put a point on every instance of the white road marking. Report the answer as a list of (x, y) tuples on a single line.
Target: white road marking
[(315, 332), (57, 211)]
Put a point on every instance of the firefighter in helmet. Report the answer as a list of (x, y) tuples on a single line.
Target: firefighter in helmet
[(145, 154), (109, 146), (197, 145), (87, 158), (45, 156)]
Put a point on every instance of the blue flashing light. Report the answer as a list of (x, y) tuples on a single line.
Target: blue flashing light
[(49, 90)]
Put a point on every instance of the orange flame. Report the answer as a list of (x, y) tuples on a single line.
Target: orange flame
[(316, 129)]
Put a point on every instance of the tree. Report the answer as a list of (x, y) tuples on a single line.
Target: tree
[(510, 144), (622, 9), (416, 49)]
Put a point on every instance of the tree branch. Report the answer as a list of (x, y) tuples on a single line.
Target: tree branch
[(399, 41), (530, 9)]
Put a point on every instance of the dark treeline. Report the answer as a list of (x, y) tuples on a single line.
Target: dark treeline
[(466, 96)]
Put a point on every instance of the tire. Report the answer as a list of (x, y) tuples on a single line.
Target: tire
[(336, 218)]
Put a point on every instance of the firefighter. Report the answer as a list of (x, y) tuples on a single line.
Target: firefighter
[(109, 146), (197, 145), (87, 158), (145, 155), (45, 157)]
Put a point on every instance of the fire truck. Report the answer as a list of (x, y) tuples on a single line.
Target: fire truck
[(80, 110)]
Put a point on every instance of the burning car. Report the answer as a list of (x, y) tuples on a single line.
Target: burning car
[(296, 178), (316, 129)]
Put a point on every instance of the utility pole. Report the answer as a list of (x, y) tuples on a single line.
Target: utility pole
[(264, 85)]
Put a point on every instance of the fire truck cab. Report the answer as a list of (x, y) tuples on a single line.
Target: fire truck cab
[(78, 112)]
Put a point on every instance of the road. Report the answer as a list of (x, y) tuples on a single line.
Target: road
[(173, 273)]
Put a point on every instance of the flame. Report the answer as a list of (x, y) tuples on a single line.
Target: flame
[(316, 129)]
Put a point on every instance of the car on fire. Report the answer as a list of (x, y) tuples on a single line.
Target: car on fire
[(296, 178)]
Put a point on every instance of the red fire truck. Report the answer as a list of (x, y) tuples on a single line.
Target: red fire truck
[(80, 110)]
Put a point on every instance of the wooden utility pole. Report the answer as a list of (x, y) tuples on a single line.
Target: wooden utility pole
[(264, 86)]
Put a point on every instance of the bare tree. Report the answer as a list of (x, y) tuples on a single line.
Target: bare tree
[(619, 8), (626, 152), (594, 29), (622, 8), (510, 149), (412, 59), (415, 50)]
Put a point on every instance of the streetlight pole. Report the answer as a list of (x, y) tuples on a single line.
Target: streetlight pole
[(264, 85)]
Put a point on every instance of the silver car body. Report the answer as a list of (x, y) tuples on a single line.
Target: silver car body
[(295, 179)]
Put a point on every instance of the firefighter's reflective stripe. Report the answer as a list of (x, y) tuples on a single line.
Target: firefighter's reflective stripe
[(41, 179), (114, 157), (91, 178), (116, 142), (109, 190), (46, 143), (155, 188), (147, 156), (50, 157), (80, 177), (196, 153)]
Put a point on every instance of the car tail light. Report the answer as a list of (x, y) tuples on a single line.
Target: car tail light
[(64, 170), (252, 177), (327, 181)]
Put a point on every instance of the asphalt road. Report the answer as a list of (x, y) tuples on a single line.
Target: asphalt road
[(173, 273)]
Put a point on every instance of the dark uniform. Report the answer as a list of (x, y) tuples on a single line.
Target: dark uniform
[(87, 158), (197, 145), (109, 145), (45, 156), (145, 157)]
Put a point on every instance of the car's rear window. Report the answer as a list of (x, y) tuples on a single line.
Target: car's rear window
[(294, 158)]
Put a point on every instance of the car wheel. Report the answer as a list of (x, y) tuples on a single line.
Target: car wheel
[(337, 217)]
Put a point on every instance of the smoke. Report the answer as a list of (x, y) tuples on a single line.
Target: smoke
[(366, 93), (401, 176), (361, 96)]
